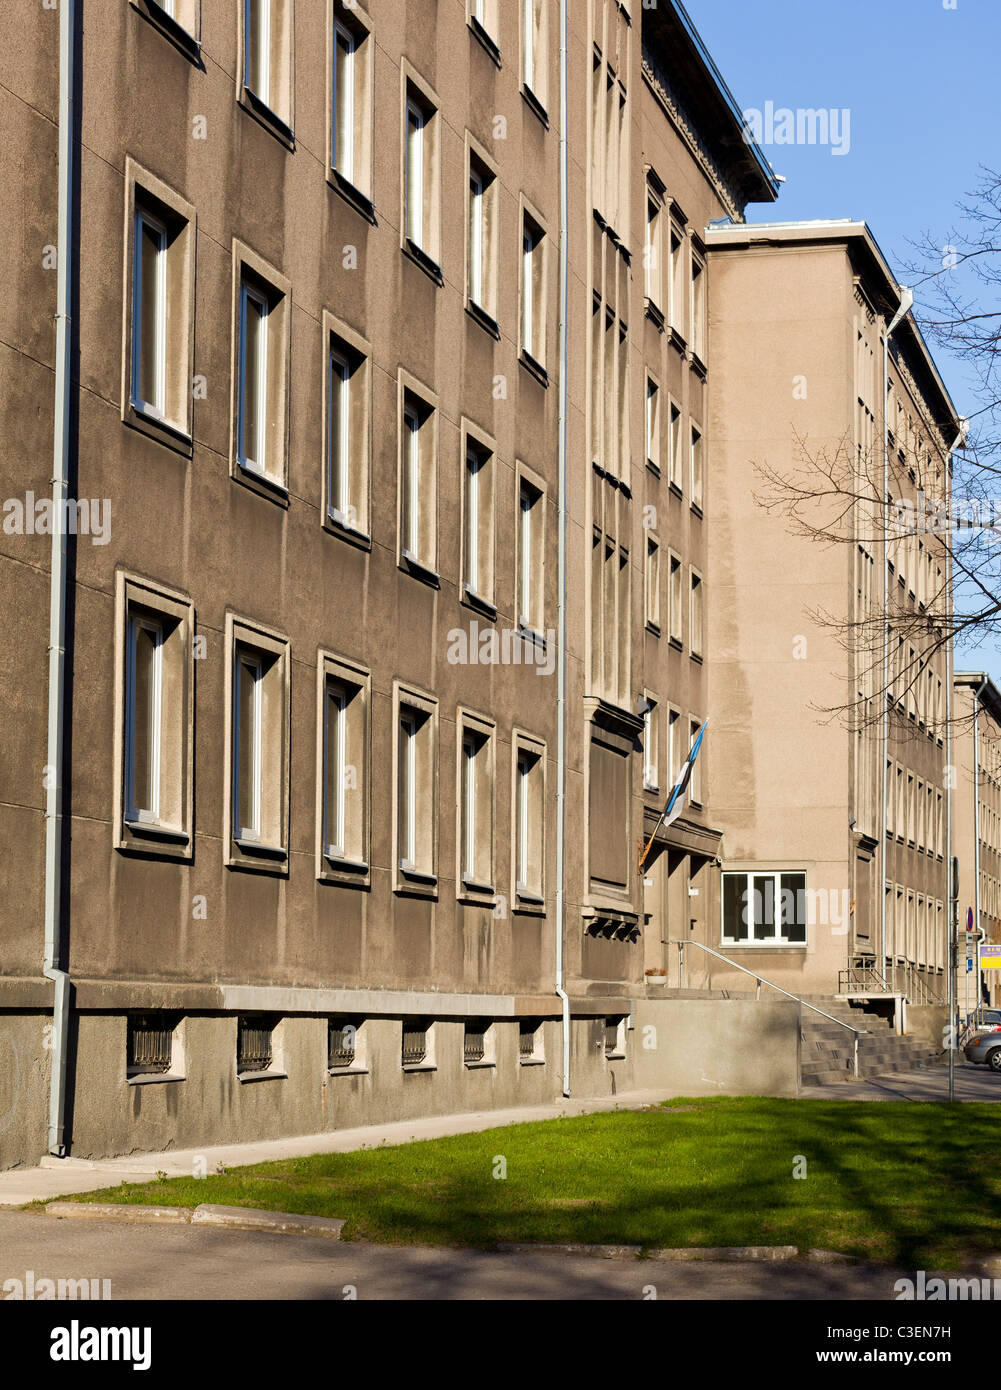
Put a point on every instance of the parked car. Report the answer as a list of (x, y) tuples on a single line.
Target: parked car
[(984, 1048)]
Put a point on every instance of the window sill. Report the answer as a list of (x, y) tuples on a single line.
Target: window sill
[(764, 945), (262, 1076), (677, 339), (480, 1066), (652, 628), (696, 507), (270, 120), (419, 1066), (485, 40), (348, 1071), (698, 365), (485, 320), (151, 1078), (676, 642), (535, 105), (260, 483), (346, 532), (653, 467), (675, 487), (158, 832), (529, 905), (414, 883), (182, 40), (411, 565), (349, 873), (697, 657), (164, 431), (535, 368), (533, 636), (420, 258), (257, 857), (531, 1061), (654, 313), (148, 838), (352, 195), (471, 599)]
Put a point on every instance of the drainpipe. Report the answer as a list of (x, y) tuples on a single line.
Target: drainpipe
[(52, 968), (951, 886), (906, 300), (561, 669)]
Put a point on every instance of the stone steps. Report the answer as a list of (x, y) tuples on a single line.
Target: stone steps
[(826, 1050)]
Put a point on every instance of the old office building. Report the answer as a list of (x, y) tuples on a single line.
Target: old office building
[(977, 838), (846, 872), (283, 840)]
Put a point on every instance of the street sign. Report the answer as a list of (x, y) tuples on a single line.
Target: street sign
[(990, 955)]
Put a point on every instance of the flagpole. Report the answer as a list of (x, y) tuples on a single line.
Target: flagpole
[(676, 790)]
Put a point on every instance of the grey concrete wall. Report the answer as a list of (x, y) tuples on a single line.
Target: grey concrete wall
[(24, 1088), (717, 1046), (927, 1022)]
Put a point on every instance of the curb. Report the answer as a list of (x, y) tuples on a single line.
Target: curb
[(235, 1218), (114, 1211), (720, 1254)]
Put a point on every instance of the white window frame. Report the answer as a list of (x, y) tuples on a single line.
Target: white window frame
[(339, 448), (470, 777), (146, 815), (344, 39), (407, 790), (243, 657), (259, 466), (411, 480), (157, 408), (477, 193), (334, 699), (775, 875), (416, 157), (263, 11)]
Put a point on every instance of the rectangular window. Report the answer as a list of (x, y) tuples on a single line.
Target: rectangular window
[(696, 618), (343, 1044), (529, 794), (418, 1047), (156, 683), (158, 304), (677, 308), (418, 485), (672, 747), (343, 752), (256, 1052), (530, 1042), (698, 308), (348, 438), (653, 424), (675, 597), (253, 408), (150, 1044), (676, 447), (481, 240), (695, 785), (615, 1037), (416, 790), (267, 56), (531, 562), (651, 750), (420, 198), (350, 97), (698, 467), (652, 254), (533, 49), (533, 322), (651, 583), (764, 908), (475, 805), (260, 367), (476, 1040), (259, 742), (345, 99), (478, 523)]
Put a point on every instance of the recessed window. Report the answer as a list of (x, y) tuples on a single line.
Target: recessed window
[(344, 1044), (651, 583), (531, 562), (418, 1043), (533, 309), (186, 15), (267, 56), (156, 719), (529, 811), (259, 740), (475, 805), (534, 55), (351, 98), (260, 367), (696, 619), (530, 1042), (344, 735), (764, 907), (698, 308), (651, 749), (150, 1044), (675, 579), (420, 172), (676, 449), (653, 252), (348, 435), (481, 274), (478, 522), (159, 309), (418, 483), (478, 1043), (698, 467), (257, 1047), (483, 19), (615, 1037), (677, 304), (695, 784), (673, 716), (416, 790)]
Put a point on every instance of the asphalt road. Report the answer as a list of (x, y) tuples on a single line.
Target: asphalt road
[(189, 1262)]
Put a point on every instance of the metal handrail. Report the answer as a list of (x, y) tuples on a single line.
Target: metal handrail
[(788, 993)]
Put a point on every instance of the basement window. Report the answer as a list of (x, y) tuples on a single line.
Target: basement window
[(258, 1054), (417, 1052), (150, 1046)]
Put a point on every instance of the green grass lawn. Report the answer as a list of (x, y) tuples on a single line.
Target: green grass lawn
[(915, 1184)]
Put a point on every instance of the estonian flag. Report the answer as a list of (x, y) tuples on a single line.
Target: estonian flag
[(679, 792)]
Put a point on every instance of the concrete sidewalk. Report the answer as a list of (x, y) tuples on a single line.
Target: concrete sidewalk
[(56, 1177)]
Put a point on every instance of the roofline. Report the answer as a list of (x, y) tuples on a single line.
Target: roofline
[(991, 696), (729, 100), (832, 230)]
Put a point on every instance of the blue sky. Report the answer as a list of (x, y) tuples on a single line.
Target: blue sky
[(922, 84)]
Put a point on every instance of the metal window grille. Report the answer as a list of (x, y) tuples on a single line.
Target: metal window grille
[(150, 1044), (612, 1030), (475, 1042), (343, 1043), (526, 1039), (254, 1044), (415, 1043)]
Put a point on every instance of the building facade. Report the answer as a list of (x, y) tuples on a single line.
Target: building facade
[(977, 763), (832, 882), (336, 724)]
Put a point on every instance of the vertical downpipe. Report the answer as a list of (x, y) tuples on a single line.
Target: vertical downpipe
[(52, 968), (561, 668)]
